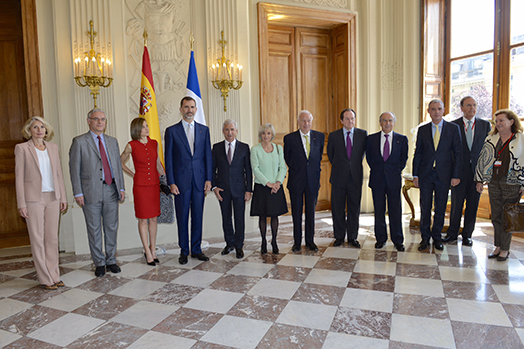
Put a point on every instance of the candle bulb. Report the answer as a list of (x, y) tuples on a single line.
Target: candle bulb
[(85, 66), (224, 71), (240, 73), (103, 68), (109, 69)]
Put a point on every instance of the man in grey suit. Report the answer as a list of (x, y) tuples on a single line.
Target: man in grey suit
[(98, 185)]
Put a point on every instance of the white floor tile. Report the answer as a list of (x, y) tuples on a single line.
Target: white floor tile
[(417, 258), (346, 341), (214, 301), (15, 286), (138, 288), (132, 270), (512, 294), (9, 307), (421, 330), (77, 277), (251, 269), (197, 278), (297, 260), (275, 288), (423, 287), (372, 267), (476, 275), (341, 252), (488, 313), (66, 329), (328, 277), (70, 300), (145, 314), (7, 338), (159, 340), (368, 300), (318, 316), (237, 332)]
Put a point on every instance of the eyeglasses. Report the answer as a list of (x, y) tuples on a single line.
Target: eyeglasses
[(98, 119)]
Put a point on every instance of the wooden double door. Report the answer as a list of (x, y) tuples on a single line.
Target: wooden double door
[(305, 68)]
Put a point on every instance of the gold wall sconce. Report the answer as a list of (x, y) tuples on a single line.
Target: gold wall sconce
[(226, 76), (93, 71)]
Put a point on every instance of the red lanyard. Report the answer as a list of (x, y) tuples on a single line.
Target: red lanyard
[(505, 145), (472, 126)]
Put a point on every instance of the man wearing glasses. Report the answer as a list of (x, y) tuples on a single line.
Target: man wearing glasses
[(98, 186)]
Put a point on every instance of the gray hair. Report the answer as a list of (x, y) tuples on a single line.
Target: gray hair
[(92, 111), (436, 100), (390, 112), (229, 121), (263, 129), (304, 112)]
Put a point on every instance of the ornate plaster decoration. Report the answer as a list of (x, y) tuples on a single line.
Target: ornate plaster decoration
[(392, 75), (331, 3), (167, 25)]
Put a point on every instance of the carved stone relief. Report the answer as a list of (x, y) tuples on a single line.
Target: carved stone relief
[(167, 25), (331, 3)]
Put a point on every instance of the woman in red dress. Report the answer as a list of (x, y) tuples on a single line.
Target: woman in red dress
[(146, 184)]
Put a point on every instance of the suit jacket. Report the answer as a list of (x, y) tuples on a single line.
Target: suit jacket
[(28, 178), (237, 177), (181, 166), (341, 166), (470, 157), (448, 156), (85, 167), (303, 171), (389, 171)]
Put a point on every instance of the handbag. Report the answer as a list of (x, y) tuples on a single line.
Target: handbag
[(167, 203), (514, 217)]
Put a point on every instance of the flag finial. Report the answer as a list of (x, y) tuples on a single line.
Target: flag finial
[(191, 40), (145, 37)]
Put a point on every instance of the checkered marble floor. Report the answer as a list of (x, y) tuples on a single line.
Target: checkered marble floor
[(338, 297)]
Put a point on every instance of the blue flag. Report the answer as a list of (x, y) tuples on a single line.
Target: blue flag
[(193, 90)]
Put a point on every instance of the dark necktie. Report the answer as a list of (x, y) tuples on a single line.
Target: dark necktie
[(349, 146), (229, 154), (386, 149), (105, 162)]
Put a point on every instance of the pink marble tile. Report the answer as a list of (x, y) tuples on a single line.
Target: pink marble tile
[(403, 345), (16, 266), (288, 273), (282, 336), (189, 323), (469, 335), (418, 271), (258, 307), (4, 278), (30, 320), (109, 335), (27, 343), (319, 294), (74, 258), (268, 258), (234, 283), (469, 290), (105, 307), (372, 282), (378, 255), (447, 260), (163, 274), (359, 322), (37, 294), (34, 277), (503, 277), (217, 265), (206, 345), (105, 284), (341, 264), (174, 294), (25, 255), (515, 313), (422, 306)]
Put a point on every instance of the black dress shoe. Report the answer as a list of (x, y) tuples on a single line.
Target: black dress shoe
[(493, 255), (240, 253), (200, 256), (226, 250), (423, 245), (312, 247), (100, 271), (115, 269), (467, 242), (296, 248), (354, 243), (380, 244), (502, 259), (338, 242), (438, 245), (182, 259), (449, 239), (400, 247)]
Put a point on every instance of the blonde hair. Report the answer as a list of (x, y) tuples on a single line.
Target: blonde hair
[(48, 129), (511, 115), (263, 129)]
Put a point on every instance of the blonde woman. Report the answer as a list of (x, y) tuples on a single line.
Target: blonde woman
[(41, 196)]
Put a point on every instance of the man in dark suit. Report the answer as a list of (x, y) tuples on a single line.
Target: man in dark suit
[(386, 154), (232, 184), (473, 131), (98, 185), (303, 153), (437, 164), (189, 169), (345, 150)]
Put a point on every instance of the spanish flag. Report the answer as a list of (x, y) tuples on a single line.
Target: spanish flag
[(148, 108)]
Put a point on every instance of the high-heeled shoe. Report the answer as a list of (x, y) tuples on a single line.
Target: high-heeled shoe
[(275, 248), (263, 247), (150, 263), (493, 255), (502, 259), (156, 261)]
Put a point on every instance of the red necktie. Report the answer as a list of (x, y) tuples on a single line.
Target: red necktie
[(105, 163)]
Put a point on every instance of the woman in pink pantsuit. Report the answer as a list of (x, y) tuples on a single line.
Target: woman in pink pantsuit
[(40, 194)]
